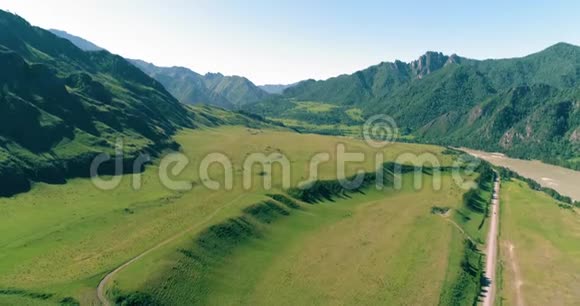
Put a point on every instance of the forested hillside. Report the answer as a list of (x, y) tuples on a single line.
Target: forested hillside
[(527, 107)]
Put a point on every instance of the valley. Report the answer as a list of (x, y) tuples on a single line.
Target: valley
[(124, 182), (80, 233)]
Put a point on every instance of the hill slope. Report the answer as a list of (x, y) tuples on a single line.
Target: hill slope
[(527, 107), (187, 86), (213, 88), (80, 42), (61, 106)]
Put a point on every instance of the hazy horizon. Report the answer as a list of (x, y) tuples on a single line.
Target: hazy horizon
[(286, 42)]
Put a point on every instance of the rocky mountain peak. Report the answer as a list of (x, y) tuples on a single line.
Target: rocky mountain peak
[(430, 62), (214, 75)]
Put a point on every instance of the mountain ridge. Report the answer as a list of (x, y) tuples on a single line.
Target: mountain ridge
[(453, 100), (188, 86), (80, 42)]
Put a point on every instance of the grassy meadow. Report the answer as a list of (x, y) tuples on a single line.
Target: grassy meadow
[(59, 241), (371, 248), (540, 249)]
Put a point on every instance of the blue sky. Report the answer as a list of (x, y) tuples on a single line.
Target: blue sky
[(287, 41)]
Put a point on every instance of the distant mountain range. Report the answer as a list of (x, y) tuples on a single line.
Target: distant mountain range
[(527, 107), (189, 87), (276, 88)]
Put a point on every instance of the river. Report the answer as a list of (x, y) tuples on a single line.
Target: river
[(565, 181)]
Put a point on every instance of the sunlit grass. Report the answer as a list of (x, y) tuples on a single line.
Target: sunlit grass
[(62, 239), (547, 253)]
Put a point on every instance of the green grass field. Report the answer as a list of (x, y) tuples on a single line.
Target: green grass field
[(545, 259), (324, 129), (315, 107), (378, 247), (60, 240)]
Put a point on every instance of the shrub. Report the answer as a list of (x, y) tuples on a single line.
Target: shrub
[(136, 299)]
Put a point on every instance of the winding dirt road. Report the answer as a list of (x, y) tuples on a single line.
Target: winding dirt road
[(101, 292), (491, 249)]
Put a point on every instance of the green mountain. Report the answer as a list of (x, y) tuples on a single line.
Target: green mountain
[(61, 106), (80, 42), (527, 107), (374, 82), (213, 88), (189, 87)]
